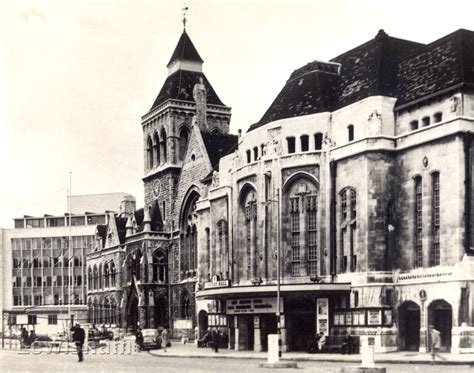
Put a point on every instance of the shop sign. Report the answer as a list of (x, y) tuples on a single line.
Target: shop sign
[(322, 315), (253, 305), (216, 284)]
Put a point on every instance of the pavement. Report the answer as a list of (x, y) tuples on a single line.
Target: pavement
[(179, 349)]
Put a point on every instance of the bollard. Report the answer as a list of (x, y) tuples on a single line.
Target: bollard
[(274, 351), (367, 349)]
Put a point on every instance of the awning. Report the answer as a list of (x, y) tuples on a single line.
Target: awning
[(235, 291)]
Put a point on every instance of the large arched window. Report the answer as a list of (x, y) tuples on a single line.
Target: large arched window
[(89, 278), (185, 305), (160, 270), (301, 207), (99, 277), (189, 236), (348, 228), (156, 148), (149, 153), (163, 149), (183, 142)]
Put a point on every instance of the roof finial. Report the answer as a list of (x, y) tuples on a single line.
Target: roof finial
[(185, 9)]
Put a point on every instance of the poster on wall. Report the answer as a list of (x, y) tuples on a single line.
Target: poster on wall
[(322, 315), (375, 317)]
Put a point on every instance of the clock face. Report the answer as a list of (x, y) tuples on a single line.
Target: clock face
[(156, 188)]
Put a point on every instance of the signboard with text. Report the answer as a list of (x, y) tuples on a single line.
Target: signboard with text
[(216, 284), (322, 315), (253, 305)]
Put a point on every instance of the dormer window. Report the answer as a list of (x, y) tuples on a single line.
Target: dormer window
[(437, 117), (425, 121)]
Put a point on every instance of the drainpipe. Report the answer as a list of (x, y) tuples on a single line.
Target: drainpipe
[(468, 188), (332, 222)]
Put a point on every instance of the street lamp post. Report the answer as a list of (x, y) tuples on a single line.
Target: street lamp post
[(278, 314)]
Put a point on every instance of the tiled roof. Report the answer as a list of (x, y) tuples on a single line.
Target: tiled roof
[(367, 70), (439, 66), (180, 85), (185, 50), (218, 146)]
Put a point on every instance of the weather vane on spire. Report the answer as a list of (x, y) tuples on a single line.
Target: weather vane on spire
[(185, 9)]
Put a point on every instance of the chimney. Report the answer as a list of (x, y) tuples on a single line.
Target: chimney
[(128, 205)]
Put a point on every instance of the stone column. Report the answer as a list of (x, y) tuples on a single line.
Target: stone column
[(236, 338), (257, 344)]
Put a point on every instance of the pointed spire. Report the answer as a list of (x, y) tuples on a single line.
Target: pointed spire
[(185, 51), (129, 227)]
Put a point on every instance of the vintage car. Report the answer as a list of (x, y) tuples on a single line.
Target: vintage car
[(151, 339)]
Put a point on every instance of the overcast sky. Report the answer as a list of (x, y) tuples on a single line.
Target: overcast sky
[(76, 76)]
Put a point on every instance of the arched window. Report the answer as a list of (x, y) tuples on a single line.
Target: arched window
[(100, 277), (96, 277), (425, 121), (112, 274), (301, 206), (156, 148), (106, 275), (149, 153), (304, 143), (163, 149), (348, 229), (350, 132), (418, 222), (255, 153), (89, 278), (189, 237), (185, 305), (160, 270), (290, 141), (249, 159), (136, 264), (413, 125), (183, 142), (318, 141)]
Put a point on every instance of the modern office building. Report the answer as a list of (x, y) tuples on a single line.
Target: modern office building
[(44, 261)]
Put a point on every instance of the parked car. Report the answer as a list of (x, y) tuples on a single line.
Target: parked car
[(151, 339)]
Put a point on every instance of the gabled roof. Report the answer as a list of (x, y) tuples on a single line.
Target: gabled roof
[(180, 85), (444, 64), (185, 50), (121, 223)]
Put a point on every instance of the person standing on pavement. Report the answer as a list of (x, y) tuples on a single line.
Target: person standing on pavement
[(435, 340), (164, 339), (215, 339), (24, 337), (78, 337)]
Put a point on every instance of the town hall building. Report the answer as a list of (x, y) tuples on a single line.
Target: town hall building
[(353, 195)]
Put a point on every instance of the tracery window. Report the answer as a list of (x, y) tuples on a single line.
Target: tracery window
[(183, 143), (189, 237), (160, 270)]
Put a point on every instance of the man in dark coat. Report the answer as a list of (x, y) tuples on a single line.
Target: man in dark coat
[(24, 336), (78, 337), (215, 340)]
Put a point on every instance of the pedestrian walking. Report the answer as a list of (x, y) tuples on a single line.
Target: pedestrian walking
[(78, 337), (435, 341), (139, 339), (164, 339), (215, 339), (24, 337)]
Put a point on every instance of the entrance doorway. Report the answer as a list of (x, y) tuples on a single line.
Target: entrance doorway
[(409, 326), (301, 318), (440, 315), (132, 317), (246, 332), (203, 323), (268, 325)]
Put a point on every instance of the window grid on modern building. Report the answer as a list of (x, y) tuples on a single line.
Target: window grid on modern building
[(418, 223), (435, 255)]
